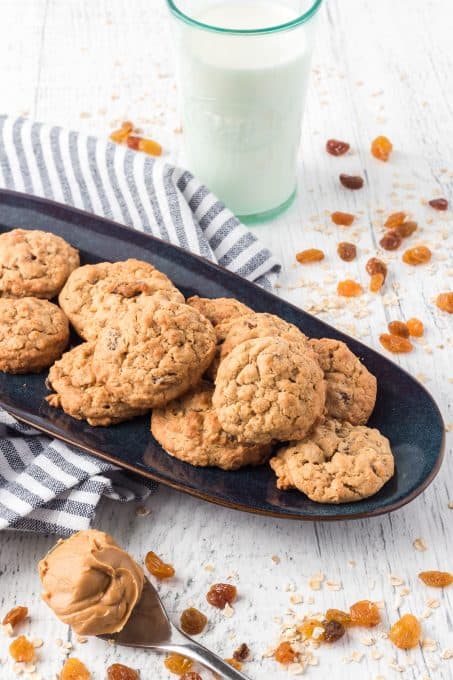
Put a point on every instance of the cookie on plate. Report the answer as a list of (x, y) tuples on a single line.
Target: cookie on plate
[(34, 263), (160, 351), (268, 388), (97, 295), (188, 429), (351, 388), (33, 333), (336, 463), (79, 392)]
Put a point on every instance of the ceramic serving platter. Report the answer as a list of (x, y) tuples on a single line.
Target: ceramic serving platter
[(405, 412)]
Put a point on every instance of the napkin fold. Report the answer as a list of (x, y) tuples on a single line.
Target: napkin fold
[(45, 485)]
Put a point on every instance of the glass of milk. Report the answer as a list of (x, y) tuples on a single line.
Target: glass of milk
[(243, 69)]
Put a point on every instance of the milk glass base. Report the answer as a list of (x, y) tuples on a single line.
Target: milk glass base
[(268, 215)]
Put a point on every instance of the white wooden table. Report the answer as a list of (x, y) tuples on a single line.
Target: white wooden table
[(380, 68)]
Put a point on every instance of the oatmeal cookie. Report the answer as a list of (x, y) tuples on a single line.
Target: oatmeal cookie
[(34, 263), (33, 333), (268, 388), (351, 388), (336, 463), (162, 350), (79, 392), (97, 295), (188, 429), (218, 310)]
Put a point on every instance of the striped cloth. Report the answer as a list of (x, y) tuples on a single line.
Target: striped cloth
[(46, 485)]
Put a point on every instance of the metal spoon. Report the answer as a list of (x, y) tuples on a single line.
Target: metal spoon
[(149, 627)]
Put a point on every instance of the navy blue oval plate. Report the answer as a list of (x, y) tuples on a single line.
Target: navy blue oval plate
[(405, 412)]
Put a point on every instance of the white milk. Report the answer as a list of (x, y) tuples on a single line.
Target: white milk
[(242, 101)]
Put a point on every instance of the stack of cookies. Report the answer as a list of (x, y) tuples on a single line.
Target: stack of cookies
[(227, 387)]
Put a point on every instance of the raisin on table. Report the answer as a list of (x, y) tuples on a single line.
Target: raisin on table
[(338, 615), (285, 654), (73, 669), (416, 327), (395, 344), (365, 613), (444, 301), (351, 181), (398, 328), (439, 203), (21, 649), (391, 240), (376, 282), (221, 594), (118, 671), (177, 663), (333, 631), (157, 567), (310, 255), (417, 255), (395, 220), (15, 616), (242, 652), (347, 251), (407, 228), (193, 621), (381, 148), (342, 219), (336, 147), (436, 579), (405, 633), (349, 288), (376, 266)]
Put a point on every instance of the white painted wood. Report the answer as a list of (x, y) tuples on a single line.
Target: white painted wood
[(380, 67)]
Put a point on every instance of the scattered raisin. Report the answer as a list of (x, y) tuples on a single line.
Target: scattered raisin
[(351, 181), (333, 631), (395, 344), (337, 615), (15, 616), (73, 669), (381, 148), (191, 675), (133, 142), (193, 621), (310, 255), (336, 148), (415, 326), (376, 282), (347, 251), (119, 672), (236, 664), (364, 613), (150, 147), (391, 240), (177, 663), (285, 654), (445, 302), (439, 203), (407, 228), (376, 266), (22, 649), (312, 629), (398, 328), (417, 255), (120, 136), (349, 288), (221, 594), (406, 632), (157, 567), (242, 652), (343, 219), (436, 579), (394, 220)]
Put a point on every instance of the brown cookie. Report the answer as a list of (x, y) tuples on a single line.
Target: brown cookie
[(336, 463), (268, 388), (97, 295), (351, 388), (33, 333), (81, 394), (188, 429), (34, 263)]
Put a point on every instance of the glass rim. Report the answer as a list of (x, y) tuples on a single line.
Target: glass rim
[(301, 19)]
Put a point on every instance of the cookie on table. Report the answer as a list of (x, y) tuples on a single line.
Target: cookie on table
[(97, 295), (336, 463), (188, 429), (160, 352), (351, 388), (80, 394), (34, 263), (33, 333), (268, 388)]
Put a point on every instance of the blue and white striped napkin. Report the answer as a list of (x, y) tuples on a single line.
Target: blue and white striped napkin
[(45, 485)]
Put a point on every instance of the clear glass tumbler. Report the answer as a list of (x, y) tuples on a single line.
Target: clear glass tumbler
[(243, 69)]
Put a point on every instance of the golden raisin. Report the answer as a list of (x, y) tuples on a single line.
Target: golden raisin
[(436, 579), (364, 613), (439, 203), (395, 344), (21, 649), (406, 632), (381, 148), (351, 181), (391, 240), (376, 266), (157, 567), (120, 136), (347, 251), (193, 621), (242, 652), (343, 219), (398, 328), (394, 220), (177, 663), (415, 326), (119, 672), (445, 302), (312, 629), (236, 664), (221, 594), (338, 615), (336, 148), (15, 616), (417, 255), (191, 675), (333, 631), (349, 288), (150, 147), (73, 669), (310, 255), (285, 654), (376, 282), (407, 228)]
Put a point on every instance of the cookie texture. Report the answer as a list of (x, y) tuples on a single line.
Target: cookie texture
[(268, 388), (33, 333), (336, 463), (34, 263), (79, 392), (98, 295), (188, 429), (162, 350), (351, 388)]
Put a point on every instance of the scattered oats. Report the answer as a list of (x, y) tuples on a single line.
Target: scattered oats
[(432, 603), (59, 642), (310, 599), (7, 629), (396, 580), (427, 613), (447, 654), (296, 599), (18, 668), (142, 511), (233, 576), (421, 377), (314, 585), (376, 654), (432, 664), (333, 585), (268, 652), (317, 632), (398, 601), (275, 559), (296, 669), (396, 667), (228, 611), (85, 114), (382, 635), (35, 676), (405, 590), (357, 656), (81, 639), (368, 641), (289, 588), (68, 645), (429, 644), (29, 667), (371, 583), (450, 505), (209, 567), (37, 642)]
